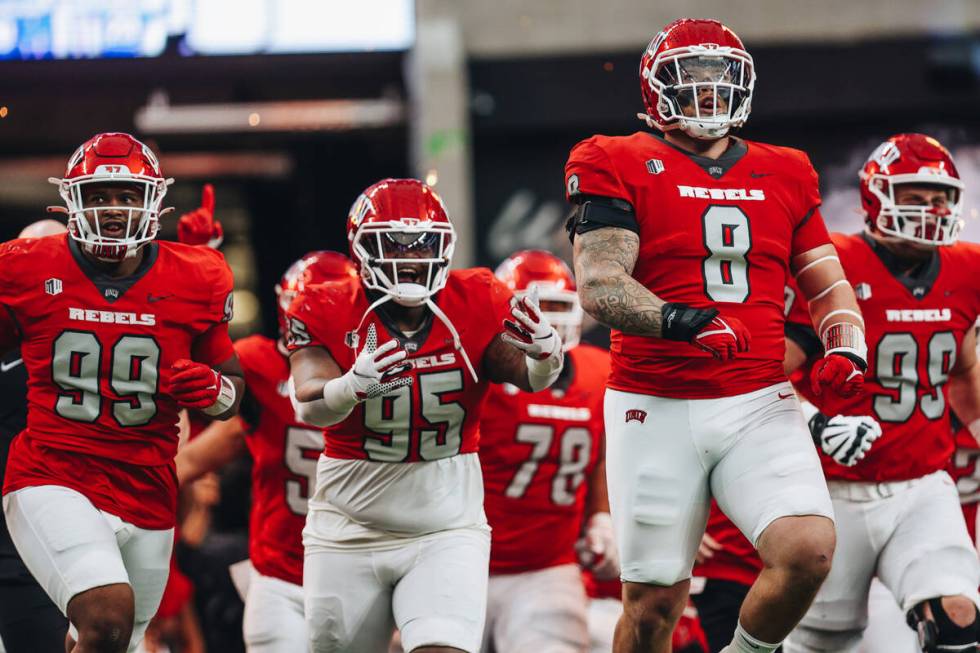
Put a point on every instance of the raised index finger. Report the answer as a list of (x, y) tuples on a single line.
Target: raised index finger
[(207, 199)]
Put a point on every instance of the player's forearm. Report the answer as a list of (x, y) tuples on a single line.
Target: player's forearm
[(604, 260), (619, 301), (219, 444), (834, 310), (964, 398), (598, 498), (323, 402)]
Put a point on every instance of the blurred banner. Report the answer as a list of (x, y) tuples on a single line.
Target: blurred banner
[(72, 29)]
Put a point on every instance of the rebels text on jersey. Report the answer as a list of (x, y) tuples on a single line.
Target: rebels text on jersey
[(712, 234), (537, 452), (96, 350), (435, 417), (914, 333), (284, 454)]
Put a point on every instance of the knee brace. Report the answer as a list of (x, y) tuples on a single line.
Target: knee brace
[(940, 634)]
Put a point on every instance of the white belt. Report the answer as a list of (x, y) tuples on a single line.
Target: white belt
[(863, 491)]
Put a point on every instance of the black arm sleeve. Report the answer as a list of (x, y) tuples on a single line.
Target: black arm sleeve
[(595, 211), (805, 337)]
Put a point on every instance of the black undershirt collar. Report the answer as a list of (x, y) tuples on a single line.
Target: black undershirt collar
[(112, 288), (918, 278), (409, 344), (716, 168)]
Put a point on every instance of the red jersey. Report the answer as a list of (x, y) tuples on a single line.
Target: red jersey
[(95, 350), (914, 334), (737, 560), (438, 415), (722, 240), (965, 470), (537, 452), (284, 454)]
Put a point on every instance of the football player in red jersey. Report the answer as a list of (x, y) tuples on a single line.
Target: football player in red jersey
[(396, 366), (118, 333), (283, 451), (896, 506), (544, 480), (682, 245)]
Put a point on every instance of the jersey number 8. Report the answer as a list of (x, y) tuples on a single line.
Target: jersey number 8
[(727, 239)]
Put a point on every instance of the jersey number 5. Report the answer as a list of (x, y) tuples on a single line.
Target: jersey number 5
[(76, 365), (728, 239)]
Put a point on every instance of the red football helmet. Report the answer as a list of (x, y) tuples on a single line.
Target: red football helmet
[(395, 225), (311, 268), (702, 67), (535, 268), (914, 159), (113, 158)]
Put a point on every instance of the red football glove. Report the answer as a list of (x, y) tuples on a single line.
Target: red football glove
[(839, 373), (192, 384), (199, 226), (723, 338)]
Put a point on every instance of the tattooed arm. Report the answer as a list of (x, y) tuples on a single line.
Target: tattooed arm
[(604, 260)]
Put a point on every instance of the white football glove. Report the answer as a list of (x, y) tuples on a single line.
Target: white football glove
[(374, 374), (531, 332), (845, 438), (597, 550)]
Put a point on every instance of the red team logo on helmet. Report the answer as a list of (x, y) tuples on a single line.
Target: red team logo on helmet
[(912, 159), (314, 267), (696, 76), (556, 289), (113, 158), (395, 226)]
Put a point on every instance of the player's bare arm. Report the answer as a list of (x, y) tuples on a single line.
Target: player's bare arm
[(964, 385), (604, 260), (219, 444), (835, 315), (506, 364)]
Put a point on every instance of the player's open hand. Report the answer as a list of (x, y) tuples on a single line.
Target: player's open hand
[(707, 549), (199, 226), (723, 337), (845, 438), (530, 331), (597, 548), (378, 370), (839, 373), (192, 384)]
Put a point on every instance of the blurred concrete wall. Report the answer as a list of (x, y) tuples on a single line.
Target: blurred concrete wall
[(503, 28)]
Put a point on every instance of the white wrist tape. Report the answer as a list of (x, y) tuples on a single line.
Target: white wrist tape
[(845, 338), (542, 373), (225, 400), (809, 410)]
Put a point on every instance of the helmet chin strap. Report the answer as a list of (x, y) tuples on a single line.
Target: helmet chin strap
[(427, 301)]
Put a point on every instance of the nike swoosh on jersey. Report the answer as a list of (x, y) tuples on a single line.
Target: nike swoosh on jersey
[(785, 396), (6, 367)]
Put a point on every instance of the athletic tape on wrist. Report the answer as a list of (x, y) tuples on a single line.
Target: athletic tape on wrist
[(845, 338), (225, 400)]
